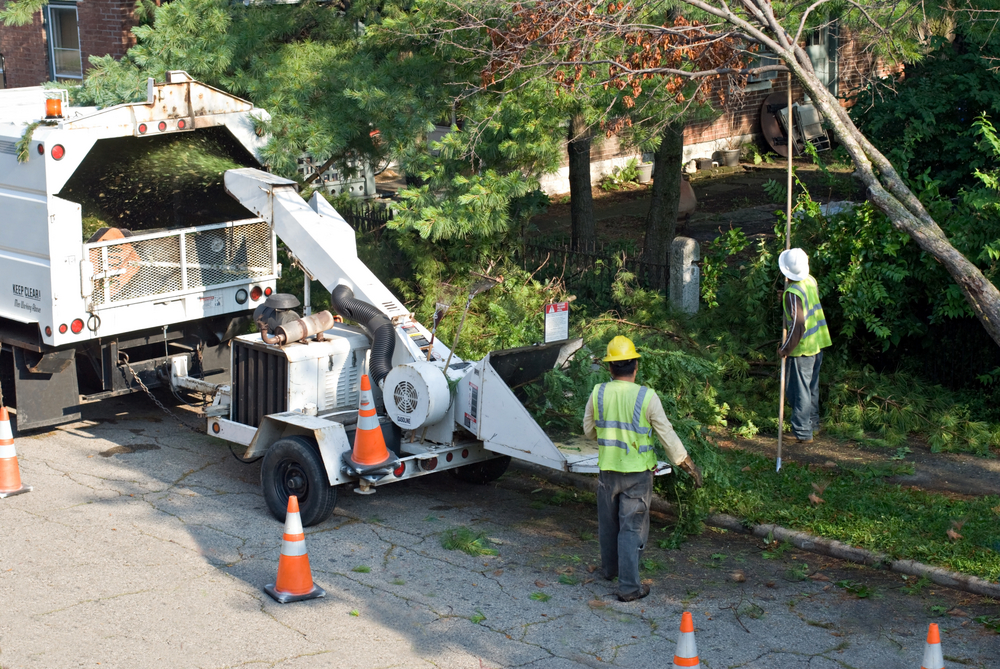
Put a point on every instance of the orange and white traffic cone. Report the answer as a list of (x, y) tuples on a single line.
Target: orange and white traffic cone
[(686, 653), (933, 657), (370, 451), (10, 475), (295, 582)]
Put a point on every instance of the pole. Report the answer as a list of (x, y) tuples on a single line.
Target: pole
[(788, 245), (307, 294)]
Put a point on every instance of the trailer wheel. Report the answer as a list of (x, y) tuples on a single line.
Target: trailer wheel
[(483, 472), (293, 466)]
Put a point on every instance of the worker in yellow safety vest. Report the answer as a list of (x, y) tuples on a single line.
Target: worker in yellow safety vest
[(807, 336), (623, 416)]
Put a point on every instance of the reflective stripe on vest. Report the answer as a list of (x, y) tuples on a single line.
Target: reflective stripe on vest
[(634, 426), (816, 335)]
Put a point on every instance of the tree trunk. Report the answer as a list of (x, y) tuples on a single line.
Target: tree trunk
[(897, 201), (581, 206), (661, 221)]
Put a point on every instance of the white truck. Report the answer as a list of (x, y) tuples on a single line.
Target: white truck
[(294, 392), (177, 276)]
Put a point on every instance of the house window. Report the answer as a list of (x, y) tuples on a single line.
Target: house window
[(64, 42), (821, 45), (763, 60)]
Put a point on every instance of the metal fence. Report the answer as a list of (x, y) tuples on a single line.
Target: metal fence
[(368, 218), (591, 270)]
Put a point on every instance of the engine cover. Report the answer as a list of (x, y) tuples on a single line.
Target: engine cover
[(415, 394)]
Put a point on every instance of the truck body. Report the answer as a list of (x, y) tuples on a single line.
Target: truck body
[(82, 318)]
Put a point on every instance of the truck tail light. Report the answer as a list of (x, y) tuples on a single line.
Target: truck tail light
[(398, 471), (48, 330), (63, 329), (268, 291), (255, 293), (241, 296), (429, 465), (142, 128), (161, 126), (58, 152), (76, 326), (41, 149), (181, 124), (449, 457)]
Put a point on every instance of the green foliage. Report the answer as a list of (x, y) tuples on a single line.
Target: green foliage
[(922, 123), (621, 176), (753, 153), (465, 540), (362, 569), (539, 597), (477, 617)]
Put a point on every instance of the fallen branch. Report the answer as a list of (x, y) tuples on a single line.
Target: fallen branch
[(673, 335)]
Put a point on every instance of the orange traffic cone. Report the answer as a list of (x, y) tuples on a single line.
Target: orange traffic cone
[(10, 475), (295, 581), (686, 653), (933, 658), (370, 451)]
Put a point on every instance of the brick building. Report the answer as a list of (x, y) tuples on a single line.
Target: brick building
[(58, 43), (838, 60)]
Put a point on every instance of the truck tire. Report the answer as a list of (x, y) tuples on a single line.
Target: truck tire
[(293, 466), (481, 473)]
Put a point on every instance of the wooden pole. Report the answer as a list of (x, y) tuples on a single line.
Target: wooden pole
[(788, 245)]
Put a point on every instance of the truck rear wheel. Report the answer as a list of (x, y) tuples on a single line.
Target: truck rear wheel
[(481, 473), (293, 466)]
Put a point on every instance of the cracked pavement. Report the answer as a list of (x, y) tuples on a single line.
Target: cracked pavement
[(144, 545)]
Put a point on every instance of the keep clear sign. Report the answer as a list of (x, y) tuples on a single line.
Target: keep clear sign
[(556, 322)]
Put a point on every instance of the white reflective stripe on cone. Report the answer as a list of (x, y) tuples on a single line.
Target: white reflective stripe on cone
[(5, 433), (933, 657), (7, 451), (293, 548), (368, 422), (293, 523), (686, 649)]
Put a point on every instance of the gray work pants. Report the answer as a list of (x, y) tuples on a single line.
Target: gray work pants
[(802, 386), (623, 524)]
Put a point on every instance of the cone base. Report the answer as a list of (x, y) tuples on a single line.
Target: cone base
[(361, 469), (10, 493), (286, 597)]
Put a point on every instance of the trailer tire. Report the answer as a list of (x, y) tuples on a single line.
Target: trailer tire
[(481, 473), (293, 466)]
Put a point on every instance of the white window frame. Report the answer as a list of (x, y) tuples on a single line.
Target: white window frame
[(50, 31)]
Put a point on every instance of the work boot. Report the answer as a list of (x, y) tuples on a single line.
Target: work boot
[(632, 596), (803, 441)]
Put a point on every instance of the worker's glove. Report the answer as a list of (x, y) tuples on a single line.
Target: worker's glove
[(692, 470)]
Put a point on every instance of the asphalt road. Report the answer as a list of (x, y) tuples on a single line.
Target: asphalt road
[(144, 545)]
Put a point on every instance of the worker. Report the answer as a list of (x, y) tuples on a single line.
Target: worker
[(807, 336), (623, 417)]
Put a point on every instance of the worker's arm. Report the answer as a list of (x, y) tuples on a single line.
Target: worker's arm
[(589, 426), (798, 325), (672, 444)]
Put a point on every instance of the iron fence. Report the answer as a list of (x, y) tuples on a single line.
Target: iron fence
[(368, 218)]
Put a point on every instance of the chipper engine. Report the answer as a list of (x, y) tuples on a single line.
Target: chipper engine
[(297, 390)]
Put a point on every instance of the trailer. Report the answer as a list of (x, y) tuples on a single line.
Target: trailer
[(174, 272), (293, 395)]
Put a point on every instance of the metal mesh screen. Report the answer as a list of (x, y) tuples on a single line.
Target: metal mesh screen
[(135, 268)]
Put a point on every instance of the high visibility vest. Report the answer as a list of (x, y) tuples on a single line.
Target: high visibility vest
[(816, 335), (624, 434)]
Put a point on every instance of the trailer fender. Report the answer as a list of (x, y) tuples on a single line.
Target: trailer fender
[(328, 435)]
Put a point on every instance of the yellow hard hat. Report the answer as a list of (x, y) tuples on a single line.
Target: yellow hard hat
[(621, 348)]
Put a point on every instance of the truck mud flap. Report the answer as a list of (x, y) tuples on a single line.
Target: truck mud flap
[(46, 388)]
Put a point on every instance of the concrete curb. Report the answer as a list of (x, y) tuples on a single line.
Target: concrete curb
[(800, 540)]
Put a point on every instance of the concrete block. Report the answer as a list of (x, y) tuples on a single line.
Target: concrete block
[(685, 278)]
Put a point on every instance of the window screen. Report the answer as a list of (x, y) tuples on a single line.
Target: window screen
[(64, 42)]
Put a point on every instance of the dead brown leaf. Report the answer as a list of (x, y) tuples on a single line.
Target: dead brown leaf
[(541, 584), (953, 535), (816, 499), (597, 604), (819, 577), (958, 613), (737, 577)]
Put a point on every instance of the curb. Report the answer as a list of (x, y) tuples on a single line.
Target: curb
[(800, 540)]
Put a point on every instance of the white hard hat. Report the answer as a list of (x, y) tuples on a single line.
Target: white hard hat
[(794, 263)]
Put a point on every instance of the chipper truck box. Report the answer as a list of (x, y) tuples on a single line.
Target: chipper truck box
[(118, 250)]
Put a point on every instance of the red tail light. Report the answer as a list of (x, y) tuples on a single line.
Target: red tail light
[(142, 128), (58, 152), (398, 471), (268, 291), (429, 465), (41, 149), (181, 124), (76, 326), (48, 331), (63, 329), (255, 293), (161, 126)]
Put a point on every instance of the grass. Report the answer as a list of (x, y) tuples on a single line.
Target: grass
[(465, 540), (863, 510), (539, 597), (568, 579), (362, 569), (477, 617)]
